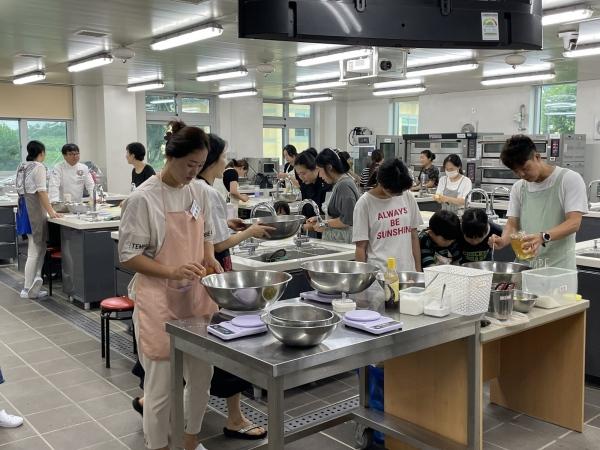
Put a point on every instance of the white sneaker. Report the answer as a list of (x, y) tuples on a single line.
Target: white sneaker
[(9, 421), (24, 293), (201, 447), (34, 290)]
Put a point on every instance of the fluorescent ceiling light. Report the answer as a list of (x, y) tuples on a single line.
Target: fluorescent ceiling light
[(225, 74), (90, 62), (321, 85), (583, 50), (318, 76), (162, 101), (442, 69), (398, 92), (525, 68), (333, 56), (575, 13), (233, 94), (186, 36), (30, 77), (322, 98), (148, 85), (522, 78), (308, 94), (415, 61), (398, 83)]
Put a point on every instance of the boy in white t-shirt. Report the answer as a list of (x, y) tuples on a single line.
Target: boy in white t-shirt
[(386, 220)]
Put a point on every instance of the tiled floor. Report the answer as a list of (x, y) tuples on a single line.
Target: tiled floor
[(56, 379)]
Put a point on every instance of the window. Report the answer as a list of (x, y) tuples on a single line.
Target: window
[(406, 117), (556, 108), (53, 133), (162, 108), (10, 145), (283, 124)]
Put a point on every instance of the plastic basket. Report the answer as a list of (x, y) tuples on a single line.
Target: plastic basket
[(469, 288)]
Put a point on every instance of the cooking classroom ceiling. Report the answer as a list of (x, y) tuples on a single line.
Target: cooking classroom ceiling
[(52, 29)]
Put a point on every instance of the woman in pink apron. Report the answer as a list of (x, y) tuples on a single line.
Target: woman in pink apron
[(166, 238)]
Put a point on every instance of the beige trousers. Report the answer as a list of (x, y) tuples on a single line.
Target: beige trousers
[(157, 396)]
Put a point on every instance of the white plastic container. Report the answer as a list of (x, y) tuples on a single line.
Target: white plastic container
[(412, 301), (554, 286)]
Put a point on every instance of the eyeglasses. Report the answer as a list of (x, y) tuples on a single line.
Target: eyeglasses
[(72, 153)]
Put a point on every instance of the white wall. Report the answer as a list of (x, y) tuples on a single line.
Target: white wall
[(330, 125), (240, 122), (588, 110), (374, 114), (489, 110), (88, 111)]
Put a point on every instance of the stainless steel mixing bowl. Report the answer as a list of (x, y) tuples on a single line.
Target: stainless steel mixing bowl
[(300, 316), (246, 290), (78, 208), (301, 336), (524, 301), (285, 226), (336, 277), (288, 198), (504, 272)]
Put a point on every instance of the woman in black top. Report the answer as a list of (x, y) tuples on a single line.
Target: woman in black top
[(231, 176), (312, 187), (135, 156), (431, 172)]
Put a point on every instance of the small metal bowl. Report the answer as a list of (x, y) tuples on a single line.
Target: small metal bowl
[(300, 316), (523, 301), (301, 336)]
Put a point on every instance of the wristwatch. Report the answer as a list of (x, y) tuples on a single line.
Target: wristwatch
[(545, 238)]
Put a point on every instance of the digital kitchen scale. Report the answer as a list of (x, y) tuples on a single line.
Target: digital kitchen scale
[(371, 321), (317, 296), (238, 327)]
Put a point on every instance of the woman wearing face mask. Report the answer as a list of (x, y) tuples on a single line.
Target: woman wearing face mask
[(166, 238), (386, 219), (340, 202), (454, 186)]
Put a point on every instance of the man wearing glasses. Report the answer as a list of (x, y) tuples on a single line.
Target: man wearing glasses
[(69, 177)]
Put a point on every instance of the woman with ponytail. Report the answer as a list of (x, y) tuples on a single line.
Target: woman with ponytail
[(339, 203), (386, 219)]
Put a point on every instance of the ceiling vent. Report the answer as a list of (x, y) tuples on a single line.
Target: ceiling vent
[(96, 34)]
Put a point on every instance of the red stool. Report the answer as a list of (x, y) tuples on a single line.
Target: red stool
[(111, 309)]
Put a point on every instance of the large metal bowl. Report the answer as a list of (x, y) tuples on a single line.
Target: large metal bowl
[(78, 208), (504, 272), (300, 316), (60, 207), (335, 277), (285, 226), (246, 290), (301, 336), (288, 198)]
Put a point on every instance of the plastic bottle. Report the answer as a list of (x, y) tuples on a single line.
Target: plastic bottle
[(391, 285)]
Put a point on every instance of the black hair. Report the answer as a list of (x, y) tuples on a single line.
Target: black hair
[(328, 157), (216, 147), (517, 151), (345, 155), (283, 206), (34, 149), (69, 148), (429, 155), (175, 126), (238, 163), (137, 150), (313, 151), (185, 140), (455, 160), (445, 224), (393, 176), (307, 159), (290, 150), (474, 223)]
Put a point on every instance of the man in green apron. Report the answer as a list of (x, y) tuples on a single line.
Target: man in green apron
[(547, 204)]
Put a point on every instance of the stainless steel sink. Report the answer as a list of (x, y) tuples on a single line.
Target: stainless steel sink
[(589, 254), (291, 253)]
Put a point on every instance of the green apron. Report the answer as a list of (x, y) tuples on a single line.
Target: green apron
[(452, 193), (541, 211)]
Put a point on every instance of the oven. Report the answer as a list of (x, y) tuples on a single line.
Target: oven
[(491, 146)]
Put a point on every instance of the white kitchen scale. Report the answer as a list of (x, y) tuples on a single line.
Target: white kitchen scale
[(238, 327), (371, 321), (317, 296)]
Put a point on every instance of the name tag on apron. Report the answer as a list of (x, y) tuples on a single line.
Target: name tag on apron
[(195, 210)]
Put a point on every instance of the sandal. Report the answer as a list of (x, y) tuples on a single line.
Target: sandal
[(243, 433)]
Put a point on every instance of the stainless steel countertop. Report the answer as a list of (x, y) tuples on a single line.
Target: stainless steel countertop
[(265, 353)]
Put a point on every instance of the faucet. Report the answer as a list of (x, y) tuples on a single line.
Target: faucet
[(589, 193), (503, 189), (485, 195), (267, 205), (300, 238), (95, 197), (251, 244)]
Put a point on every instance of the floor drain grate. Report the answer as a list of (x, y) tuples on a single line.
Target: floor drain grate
[(322, 414)]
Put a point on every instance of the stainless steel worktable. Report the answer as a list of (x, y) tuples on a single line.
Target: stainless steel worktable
[(268, 364)]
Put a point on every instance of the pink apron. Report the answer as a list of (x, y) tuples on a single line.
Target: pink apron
[(159, 300)]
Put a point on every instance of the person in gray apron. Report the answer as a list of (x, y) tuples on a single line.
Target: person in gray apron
[(33, 197), (453, 187), (547, 204), (339, 203)]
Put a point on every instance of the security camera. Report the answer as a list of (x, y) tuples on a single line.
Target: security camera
[(385, 65), (569, 39)]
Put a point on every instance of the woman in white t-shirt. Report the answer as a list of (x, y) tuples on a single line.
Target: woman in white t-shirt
[(386, 219), (33, 196), (453, 186)]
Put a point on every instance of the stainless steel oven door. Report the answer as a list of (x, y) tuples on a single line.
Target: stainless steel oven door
[(498, 175), (493, 149)]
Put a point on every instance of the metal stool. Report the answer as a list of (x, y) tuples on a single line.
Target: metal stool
[(110, 308)]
